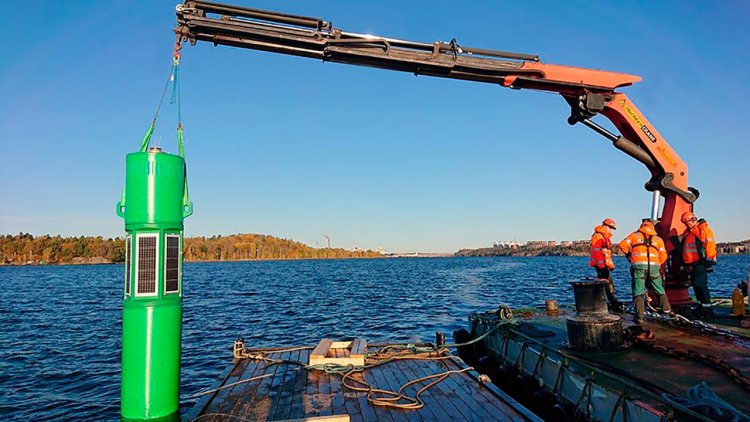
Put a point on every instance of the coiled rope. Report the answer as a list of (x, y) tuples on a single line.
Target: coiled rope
[(376, 396), (385, 354)]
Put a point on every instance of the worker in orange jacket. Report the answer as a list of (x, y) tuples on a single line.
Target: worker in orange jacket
[(699, 256), (600, 257), (647, 254)]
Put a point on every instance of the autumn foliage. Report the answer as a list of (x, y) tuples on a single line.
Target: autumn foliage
[(240, 247), (24, 248)]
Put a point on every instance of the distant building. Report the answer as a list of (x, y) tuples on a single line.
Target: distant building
[(734, 249), (536, 244), (507, 245)]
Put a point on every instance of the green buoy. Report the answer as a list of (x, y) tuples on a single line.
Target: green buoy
[(154, 205)]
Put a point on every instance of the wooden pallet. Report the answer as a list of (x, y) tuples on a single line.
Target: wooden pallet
[(329, 351)]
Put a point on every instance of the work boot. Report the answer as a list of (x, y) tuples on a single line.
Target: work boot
[(640, 309), (664, 304), (707, 311), (615, 306)]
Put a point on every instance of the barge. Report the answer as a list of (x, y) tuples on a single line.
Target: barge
[(670, 368), (352, 381)]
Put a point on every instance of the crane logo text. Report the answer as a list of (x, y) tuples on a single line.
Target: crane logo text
[(638, 121)]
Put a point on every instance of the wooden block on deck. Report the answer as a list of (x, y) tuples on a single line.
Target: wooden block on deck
[(321, 350), (354, 352), (359, 345)]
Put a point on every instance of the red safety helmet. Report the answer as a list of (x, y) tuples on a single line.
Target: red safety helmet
[(687, 216), (610, 223)]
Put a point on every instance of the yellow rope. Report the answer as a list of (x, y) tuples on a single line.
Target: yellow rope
[(386, 354), (388, 398), (203, 393)]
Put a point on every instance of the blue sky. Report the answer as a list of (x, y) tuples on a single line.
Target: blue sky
[(300, 149)]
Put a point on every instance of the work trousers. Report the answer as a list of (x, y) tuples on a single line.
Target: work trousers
[(641, 274), (699, 277), (605, 274)]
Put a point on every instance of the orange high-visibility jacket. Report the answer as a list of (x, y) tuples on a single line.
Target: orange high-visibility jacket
[(641, 251), (699, 233), (710, 242), (600, 249)]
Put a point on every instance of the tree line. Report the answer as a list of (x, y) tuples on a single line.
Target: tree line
[(25, 248), (240, 247)]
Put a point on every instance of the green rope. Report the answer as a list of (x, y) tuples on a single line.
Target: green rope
[(173, 79), (147, 138), (187, 206), (176, 91)]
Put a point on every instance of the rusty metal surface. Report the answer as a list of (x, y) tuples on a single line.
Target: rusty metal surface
[(678, 358)]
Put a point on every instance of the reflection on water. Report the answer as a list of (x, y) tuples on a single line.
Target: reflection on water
[(60, 326)]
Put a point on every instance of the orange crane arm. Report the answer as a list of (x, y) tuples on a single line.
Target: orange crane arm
[(589, 92)]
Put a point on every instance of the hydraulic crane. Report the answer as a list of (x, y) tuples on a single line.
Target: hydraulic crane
[(589, 92)]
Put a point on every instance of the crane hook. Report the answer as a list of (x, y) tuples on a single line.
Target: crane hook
[(176, 52)]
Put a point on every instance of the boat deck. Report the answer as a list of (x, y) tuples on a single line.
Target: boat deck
[(680, 357), (288, 391), (675, 373)]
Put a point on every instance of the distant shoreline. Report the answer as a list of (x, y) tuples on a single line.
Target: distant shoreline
[(25, 249), (393, 256), (65, 264)]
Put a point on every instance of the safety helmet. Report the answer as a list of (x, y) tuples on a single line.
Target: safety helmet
[(610, 223), (687, 216), (647, 227)]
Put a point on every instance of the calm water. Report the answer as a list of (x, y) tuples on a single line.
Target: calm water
[(60, 326)]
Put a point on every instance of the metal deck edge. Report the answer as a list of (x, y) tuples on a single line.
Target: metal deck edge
[(202, 403), (510, 401)]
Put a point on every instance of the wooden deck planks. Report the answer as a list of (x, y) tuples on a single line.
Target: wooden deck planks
[(257, 408), (467, 394), (338, 402), (245, 393), (295, 393), (351, 405), (368, 412), (222, 401), (286, 391), (380, 380), (449, 389), (394, 372), (324, 392), (431, 410), (312, 400), (266, 404), (299, 388), (450, 411)]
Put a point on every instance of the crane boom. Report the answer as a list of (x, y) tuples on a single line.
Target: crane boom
[(589, 92)]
